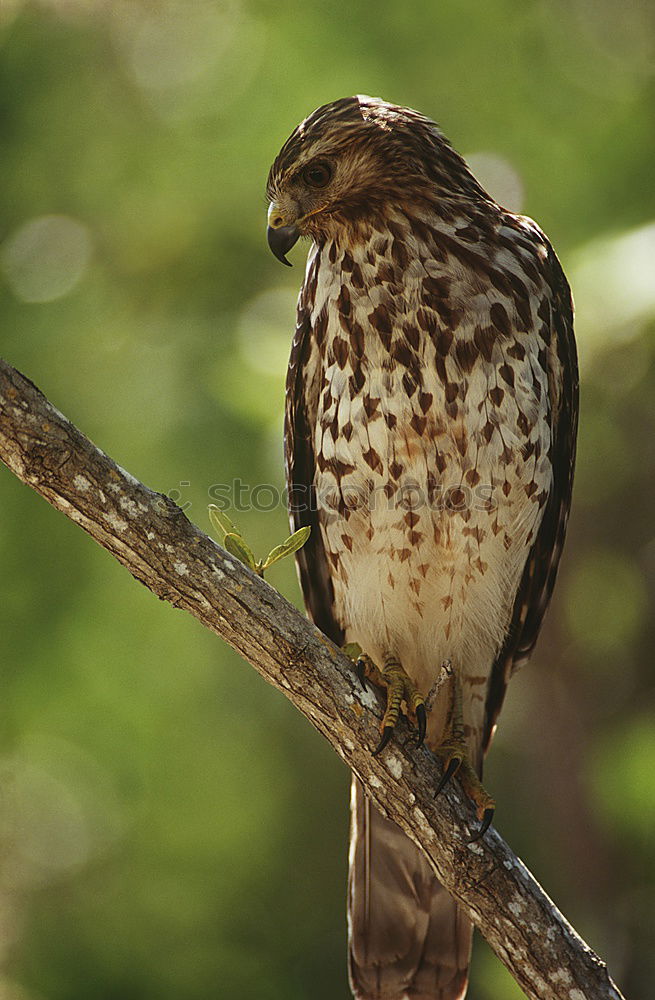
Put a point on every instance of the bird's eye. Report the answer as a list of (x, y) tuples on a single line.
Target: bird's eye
[(317, 174)]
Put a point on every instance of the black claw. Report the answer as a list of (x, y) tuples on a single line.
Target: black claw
[(453, 767), (484, 825), (387, 733), (422, 723), (360, 670)]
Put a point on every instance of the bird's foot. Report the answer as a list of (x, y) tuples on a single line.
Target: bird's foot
[(403, 696), (454, 754)]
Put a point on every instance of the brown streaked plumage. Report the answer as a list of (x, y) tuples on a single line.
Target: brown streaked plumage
[(430, 440)]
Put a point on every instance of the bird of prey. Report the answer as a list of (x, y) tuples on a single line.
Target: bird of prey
[(431, 415)]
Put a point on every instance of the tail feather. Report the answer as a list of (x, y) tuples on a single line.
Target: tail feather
[(407, 937)]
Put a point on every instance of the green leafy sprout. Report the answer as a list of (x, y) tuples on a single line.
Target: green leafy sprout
[(232, 540)]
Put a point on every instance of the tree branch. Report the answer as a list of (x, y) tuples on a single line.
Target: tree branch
[(153, 539)]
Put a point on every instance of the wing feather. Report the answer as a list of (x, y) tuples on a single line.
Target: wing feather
[(538, 578), (300, 456)]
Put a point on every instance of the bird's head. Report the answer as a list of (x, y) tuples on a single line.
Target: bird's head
[(346, 163)]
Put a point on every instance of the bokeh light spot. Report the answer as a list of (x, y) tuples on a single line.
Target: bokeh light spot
[(623, 34), (266, 329), (171, 43), (499, 178), (46, 258), (58, 812), (251, 381), (613, 288)]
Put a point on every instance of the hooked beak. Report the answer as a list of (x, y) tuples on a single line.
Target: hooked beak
[(281, 239), (283, 229)]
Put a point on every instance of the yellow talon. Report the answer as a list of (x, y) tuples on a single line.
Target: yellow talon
[(402, 694), (404, 697), (454, 753)]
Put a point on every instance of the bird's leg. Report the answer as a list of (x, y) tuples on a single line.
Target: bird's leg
[(402, 694), (454, 753)]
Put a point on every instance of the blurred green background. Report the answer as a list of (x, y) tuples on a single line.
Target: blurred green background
[(169, 825)]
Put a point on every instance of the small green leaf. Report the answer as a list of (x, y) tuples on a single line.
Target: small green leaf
[(352, 650), (236, 546), (221, 522), (288, 547)]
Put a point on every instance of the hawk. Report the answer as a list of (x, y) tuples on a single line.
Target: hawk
[(431, 415)]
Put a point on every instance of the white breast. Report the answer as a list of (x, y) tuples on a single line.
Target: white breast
[(428, 503)]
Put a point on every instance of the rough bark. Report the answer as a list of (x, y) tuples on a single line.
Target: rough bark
[(153, 539)]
